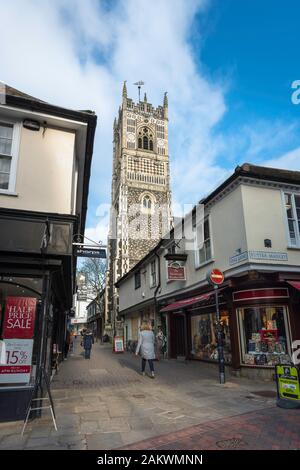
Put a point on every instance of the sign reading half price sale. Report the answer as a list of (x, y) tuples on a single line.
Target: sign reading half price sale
[(19, 317)]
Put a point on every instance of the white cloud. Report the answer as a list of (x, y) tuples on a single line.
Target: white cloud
[(290, 160), (77, 53)]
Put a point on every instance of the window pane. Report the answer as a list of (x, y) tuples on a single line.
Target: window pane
[(265, 338), (206, 230), (202, 256), (207, 250), (199, 230), (288, 205), (5, 164), (292, 233), (6, 131), (297, 201), (145, 142), (289, 213), (5, 146), (4, 181)]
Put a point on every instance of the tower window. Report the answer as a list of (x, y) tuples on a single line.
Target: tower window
[(145, 139), (145, 142), (160, 131), (147, 203), (130, 125)]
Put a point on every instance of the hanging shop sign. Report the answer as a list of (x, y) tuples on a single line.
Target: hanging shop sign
[(288, 385), (19, 317), (18, 361), (118, 346), (90, 252), (215, 277), (176, 272)]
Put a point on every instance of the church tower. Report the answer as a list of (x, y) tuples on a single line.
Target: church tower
[(140, 196)]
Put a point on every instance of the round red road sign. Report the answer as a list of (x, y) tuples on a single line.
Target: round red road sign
[(216, 277)]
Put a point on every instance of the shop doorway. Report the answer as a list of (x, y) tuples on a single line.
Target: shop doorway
[(179, 336)]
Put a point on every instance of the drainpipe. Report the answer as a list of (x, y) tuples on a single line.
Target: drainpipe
[(155, 293)]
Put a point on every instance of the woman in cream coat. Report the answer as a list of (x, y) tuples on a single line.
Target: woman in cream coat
[(146, 347)]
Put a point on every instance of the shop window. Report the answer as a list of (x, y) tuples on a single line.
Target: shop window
[(264, 337), (292, 207), (204, 337), (20, 306)]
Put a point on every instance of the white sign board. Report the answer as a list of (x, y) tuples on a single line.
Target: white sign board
[(258, 255), (18, 361)]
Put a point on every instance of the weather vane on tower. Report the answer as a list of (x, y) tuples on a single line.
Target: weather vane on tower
[(139, 85)]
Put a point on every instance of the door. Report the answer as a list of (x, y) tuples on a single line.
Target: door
[(180, 332)]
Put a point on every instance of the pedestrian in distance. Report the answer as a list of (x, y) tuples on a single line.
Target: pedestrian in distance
[(88, 341), (67, 343), (160, 341), (146, 347)]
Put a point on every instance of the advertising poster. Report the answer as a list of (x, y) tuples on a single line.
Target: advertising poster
[(118, 344), (288, 382), (19, 318), (18, 361)]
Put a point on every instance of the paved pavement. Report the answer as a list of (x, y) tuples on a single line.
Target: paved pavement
[(105, 403), (268, 429)]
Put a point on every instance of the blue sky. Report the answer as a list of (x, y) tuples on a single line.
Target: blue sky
[(253, 43), (227, 65)]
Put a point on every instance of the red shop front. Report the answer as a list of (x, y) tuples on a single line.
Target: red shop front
[(259, 327), (265, 328)]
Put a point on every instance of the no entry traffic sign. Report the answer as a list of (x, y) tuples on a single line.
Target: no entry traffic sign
[(216, 277)]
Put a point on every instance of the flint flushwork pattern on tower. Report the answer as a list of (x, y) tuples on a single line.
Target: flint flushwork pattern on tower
[(140, 196)]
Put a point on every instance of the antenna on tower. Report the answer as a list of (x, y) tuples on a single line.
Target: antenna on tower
[(139, 85)]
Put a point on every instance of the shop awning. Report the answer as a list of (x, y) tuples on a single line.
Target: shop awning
[(187, 302), (295, 284)]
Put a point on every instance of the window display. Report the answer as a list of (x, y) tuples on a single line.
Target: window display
[(19, 306), (264, 336), (204, 337)]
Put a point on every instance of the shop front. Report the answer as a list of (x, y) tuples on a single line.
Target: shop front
[(20, 313), (192, 327), (35, 300), (264, 328), (259, 325)]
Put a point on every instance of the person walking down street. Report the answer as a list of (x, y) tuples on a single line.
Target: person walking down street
[(88, 341), (146, 347), (160, 341), (67, 343)]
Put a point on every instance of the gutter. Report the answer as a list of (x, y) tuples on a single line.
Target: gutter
[(156, 292)]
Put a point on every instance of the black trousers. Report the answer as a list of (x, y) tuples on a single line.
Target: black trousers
[(151, 365)]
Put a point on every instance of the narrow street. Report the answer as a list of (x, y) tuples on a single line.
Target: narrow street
[(104, 403)]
